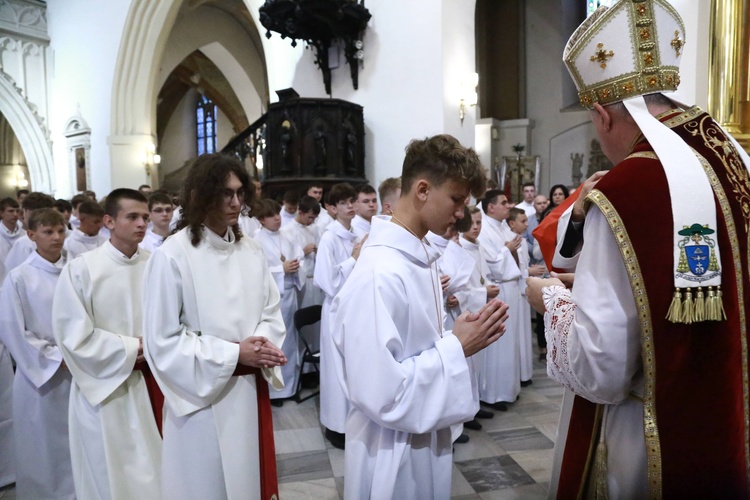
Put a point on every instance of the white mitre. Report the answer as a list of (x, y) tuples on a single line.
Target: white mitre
[(632, 48)]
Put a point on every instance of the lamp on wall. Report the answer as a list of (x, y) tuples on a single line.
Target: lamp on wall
[(149, 158), (20, 181), (468, 95)]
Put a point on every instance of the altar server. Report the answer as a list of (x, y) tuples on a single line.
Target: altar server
[(96, 317), (86, 236), (305, 233), (500, 373), (41, 387), (212, 327), (284, 258), (408, 380), (337, 253), (23, 246)]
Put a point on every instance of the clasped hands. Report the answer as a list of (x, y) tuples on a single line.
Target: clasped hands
[(478, 330), (259, 352)]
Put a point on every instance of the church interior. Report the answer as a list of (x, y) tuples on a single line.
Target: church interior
[(100, 95)]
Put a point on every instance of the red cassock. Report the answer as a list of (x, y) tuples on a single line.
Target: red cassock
[(696, 375)]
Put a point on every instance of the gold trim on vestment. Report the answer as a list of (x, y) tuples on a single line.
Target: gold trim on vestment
[(650, 429), (643, 154), (741, 192), (587, 481)]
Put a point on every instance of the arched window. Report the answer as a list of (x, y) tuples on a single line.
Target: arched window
[(205, 118)]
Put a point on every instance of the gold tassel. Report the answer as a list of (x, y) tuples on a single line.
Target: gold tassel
[(688, 307), (682, 265), (601, 487), (673, 314), (721, 314), (713, 264), (700, 306), (711, 306)]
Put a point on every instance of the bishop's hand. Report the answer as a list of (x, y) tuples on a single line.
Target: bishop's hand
[(260, 352), (534, 291), (478, 330)]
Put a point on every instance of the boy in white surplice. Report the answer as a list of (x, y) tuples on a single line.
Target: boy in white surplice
[(407, 380)]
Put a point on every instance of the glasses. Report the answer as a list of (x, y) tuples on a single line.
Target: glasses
[(228, 195), (162, 210)]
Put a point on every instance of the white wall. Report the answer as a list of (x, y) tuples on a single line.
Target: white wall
[(545, 73), (406, 86), (85, 43), (178, 143), (224, 130)]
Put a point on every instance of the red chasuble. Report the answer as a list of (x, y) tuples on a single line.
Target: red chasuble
[(696, 375)]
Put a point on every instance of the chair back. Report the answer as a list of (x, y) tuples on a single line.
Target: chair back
[(307, 316)]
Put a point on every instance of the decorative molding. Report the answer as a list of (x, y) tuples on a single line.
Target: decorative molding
[(76, 126), (33, 109), (27, 18), (31, 132)]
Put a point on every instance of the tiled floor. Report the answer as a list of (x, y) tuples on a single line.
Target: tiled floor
[(510, 458)]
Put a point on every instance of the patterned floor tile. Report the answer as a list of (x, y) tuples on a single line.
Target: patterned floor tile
[(298, 440), (527, 492), (317, 489), (523, 439), (305, 466), (494, 473)]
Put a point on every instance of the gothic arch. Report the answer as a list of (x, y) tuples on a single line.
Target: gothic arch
[(31, 133), (144, 38)]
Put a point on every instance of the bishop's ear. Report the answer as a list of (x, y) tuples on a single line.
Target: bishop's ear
[(602, 116)]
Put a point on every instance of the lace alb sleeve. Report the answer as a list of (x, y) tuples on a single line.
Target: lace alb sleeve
[(558, 323)]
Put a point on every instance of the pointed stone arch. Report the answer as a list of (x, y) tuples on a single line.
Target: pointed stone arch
[(31, 133), (133, 119)]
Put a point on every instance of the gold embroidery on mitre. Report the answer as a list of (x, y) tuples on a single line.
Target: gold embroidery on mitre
[(650, 74), (677, 43), (602, 55)]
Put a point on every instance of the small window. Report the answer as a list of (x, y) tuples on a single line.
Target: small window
[(205, 118)]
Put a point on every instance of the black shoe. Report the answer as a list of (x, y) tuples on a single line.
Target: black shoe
[(543, 357), (499, 406), (473, 425), (463, 438), (484, 414), (525, 383), (337, 439), (278, 403)]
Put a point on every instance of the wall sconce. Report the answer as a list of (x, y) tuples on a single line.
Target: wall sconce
[(149, 158), (20, 181), (469, 95)]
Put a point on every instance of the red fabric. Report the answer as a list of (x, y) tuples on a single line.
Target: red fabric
[(699, 386), (269, 485), (154, 392), (546, 232), (580, 439)]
